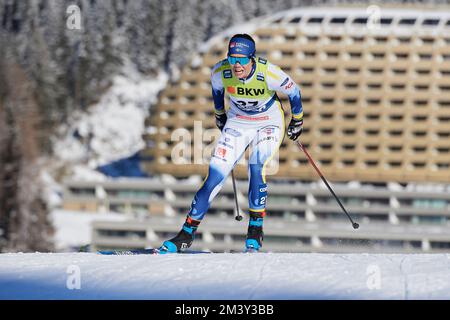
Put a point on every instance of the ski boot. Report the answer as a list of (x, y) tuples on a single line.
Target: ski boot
[(255, 232), (183, 239)]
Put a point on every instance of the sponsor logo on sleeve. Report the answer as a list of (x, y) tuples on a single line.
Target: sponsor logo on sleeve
[(221, 152), (232, 132), (290, 84), (261, 60), (260, 76), (284, 82), (227, 74)]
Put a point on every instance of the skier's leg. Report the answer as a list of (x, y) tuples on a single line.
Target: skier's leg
[(264, 147), (230, 148)]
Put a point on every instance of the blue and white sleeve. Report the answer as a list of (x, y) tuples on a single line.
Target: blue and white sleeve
[(218, 91), (278, 80)]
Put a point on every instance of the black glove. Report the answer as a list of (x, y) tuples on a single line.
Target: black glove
[(295, 129), (221, 119)]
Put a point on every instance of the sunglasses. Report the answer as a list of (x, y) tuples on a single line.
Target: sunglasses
[(242, 60)]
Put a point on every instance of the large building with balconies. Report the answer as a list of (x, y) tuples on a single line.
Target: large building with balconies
[(375, 86)]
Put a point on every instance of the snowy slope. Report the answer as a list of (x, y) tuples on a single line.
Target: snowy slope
[(224, 276)]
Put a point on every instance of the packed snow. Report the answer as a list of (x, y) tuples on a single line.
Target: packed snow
[(226, 276)]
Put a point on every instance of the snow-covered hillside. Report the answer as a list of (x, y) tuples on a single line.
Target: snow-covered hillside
[(224, 276), (112, 129)]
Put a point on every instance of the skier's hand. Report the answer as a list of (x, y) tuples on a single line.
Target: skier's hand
[(295, 129), (221, 119)]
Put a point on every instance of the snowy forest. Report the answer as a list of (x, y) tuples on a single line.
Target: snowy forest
[(48, 71)]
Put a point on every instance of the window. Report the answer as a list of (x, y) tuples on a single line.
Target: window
[(326, 116), (397, 102), (419, 133), (372, 117), (352, 70), (372, 132), (326, 146), (423, 71), (355, 55), (287, 53), (288, 37), (308, 70), (351, 85), (378, 55), (430, 22), (376, 70), (338, 20), (404, 39), (419, 149), (396, 117), (395, 148), (395, 164), (335, 38), (444, 103), (327, 100), (350, 101), (443, 165), (264, 37), (333, 54), (348, 147), (407, 21), (443, 149), (420, 103), (421, 87), (361, 20), (427, 40), (372, 147), (395, 133), (315, 20), (425, 56), (371, 163), (401, 56), (349, 131), (330, 70), (325, 162), (326, 131), (418, 164), (443, 134), (444, 118), (381, 39), (328, 85), (420, 118), (349, 116), (348, 162), (399, 71), (398, 86), (295, 20), (386, 21), (373, 101)]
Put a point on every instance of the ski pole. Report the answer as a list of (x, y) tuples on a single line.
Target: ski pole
[(238, 213), (302, 147)]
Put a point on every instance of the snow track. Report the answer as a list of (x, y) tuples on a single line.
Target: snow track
[(224, 276)]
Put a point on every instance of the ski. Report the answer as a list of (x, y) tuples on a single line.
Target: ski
[(151, 251)]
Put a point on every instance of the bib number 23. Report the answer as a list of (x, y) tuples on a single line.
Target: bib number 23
[(248, 105)]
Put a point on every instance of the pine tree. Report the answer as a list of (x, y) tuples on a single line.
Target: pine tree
[(24, 222)]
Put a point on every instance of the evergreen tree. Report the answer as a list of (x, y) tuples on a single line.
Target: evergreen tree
[(24, 223)]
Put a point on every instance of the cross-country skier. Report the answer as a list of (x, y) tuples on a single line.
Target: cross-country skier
[(255, 118)]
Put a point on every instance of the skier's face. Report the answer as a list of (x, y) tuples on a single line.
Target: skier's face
[(239, 70)]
